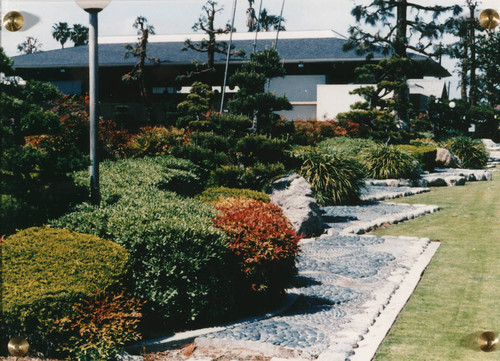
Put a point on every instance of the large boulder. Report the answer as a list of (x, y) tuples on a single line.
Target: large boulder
[(444, 159), (293, 194)]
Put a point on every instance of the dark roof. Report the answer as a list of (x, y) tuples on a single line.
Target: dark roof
[(307, 50)]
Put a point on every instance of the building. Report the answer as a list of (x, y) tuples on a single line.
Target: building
[(314, 61)]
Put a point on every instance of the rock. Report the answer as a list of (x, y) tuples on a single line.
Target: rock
[(489, 144), (127, 357), (294, 196), (445, 159), (442, 180)]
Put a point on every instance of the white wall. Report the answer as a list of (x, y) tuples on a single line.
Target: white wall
[(334, 99), (300, 88)]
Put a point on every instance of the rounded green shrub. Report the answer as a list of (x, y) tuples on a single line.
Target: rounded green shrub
[(347, 146), (46, 271), (210, 140), (179, 260), (215, 193), (256, 177), (388, 162), (425, 155), (471, 151), (334, 179), (206, 158), (261, 149)]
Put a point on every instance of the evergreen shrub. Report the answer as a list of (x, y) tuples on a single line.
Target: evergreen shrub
[(206, 158), (230, 124), (213, 194), (471, 151), (261, 149), (350, 147), (210, 140), (425, 155), (46, 271), (389, 162), (256, 177), (265, 246), (179, 260), (334, 178)]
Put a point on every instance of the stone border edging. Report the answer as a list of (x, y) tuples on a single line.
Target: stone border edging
[(186, 336), (421, 209), (367, 348)]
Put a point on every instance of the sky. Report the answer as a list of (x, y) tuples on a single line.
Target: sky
[(178, 16)]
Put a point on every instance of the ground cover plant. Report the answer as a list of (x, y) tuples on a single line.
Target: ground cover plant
[(45, 272), (459, 289)]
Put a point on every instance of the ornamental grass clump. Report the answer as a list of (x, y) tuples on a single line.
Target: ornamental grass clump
[(264, 245), (389, 162), (471, 151), (333, 178)]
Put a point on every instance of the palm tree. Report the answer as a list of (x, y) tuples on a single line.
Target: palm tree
[(79, 35), (270, 22), (61, 32)]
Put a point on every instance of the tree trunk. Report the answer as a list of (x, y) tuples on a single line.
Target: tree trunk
[(472, 38), (400, 44)]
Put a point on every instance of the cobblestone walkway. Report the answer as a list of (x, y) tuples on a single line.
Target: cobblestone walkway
[(343, 284)]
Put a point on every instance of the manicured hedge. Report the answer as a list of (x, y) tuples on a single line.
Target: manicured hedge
[(425, 155), (352, 147), (179, 260), (166, 173), (215, 193), (46, 271)]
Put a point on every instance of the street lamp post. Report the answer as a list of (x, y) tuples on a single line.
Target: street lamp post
[(93, 7)]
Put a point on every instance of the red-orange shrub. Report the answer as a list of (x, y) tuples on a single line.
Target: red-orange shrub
[(263, 241), (100, 326), (311, 132)]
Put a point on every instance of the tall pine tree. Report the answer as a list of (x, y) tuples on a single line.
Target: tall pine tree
[(397, 21)]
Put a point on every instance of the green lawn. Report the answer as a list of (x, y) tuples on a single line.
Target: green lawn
[(459, 294)]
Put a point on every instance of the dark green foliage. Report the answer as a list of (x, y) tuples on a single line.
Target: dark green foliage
[(212, 141), (425, 155), (252, 99), (179, 259), (257, 176), (202, 157), (45, 272), (230, 124), (261, 149), (215, 193), (350, 147), (335, 179), (471, 151), (388, 162), (196, 105), (38, 150)]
